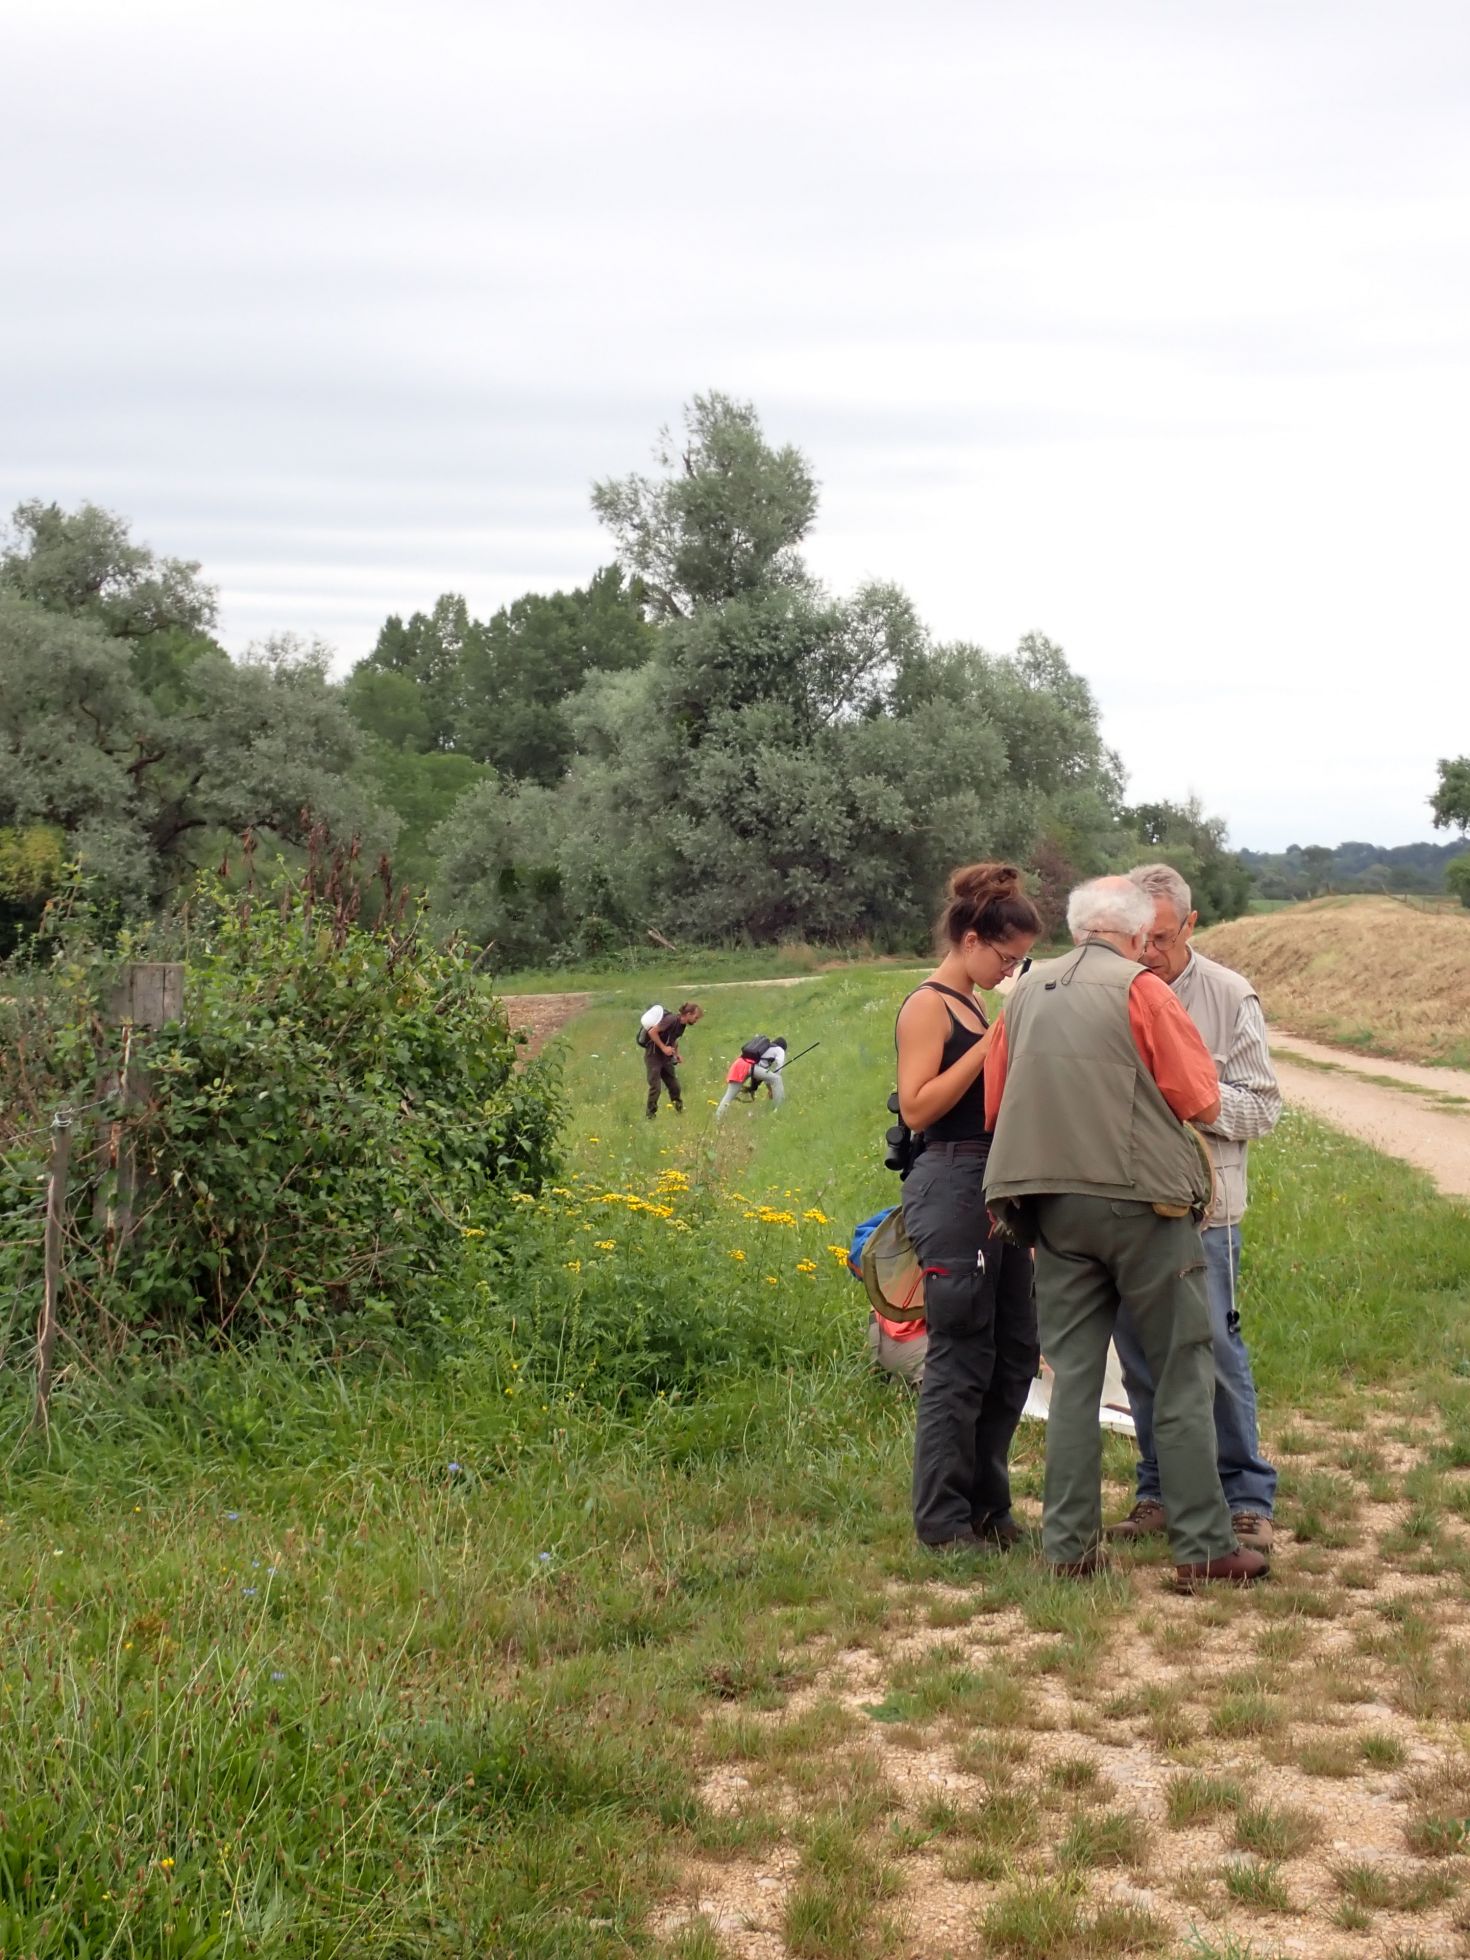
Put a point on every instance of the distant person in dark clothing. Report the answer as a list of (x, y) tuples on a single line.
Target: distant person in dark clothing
[(982, 1352), (661, 1056)]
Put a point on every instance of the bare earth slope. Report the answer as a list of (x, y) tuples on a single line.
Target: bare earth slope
[(1377, 974)]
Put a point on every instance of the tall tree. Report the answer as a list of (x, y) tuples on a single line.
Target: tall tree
[(786, 761), (1450, 803), (524, 664), (83, 563), (723, 520), (1183, 836), (428, 650), (135, 745)]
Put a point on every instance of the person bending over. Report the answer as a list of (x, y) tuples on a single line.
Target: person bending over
[(751, 1071), (661, 1057), (982, 1354)]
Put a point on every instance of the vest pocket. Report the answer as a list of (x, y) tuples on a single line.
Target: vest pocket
[(1072, 1123)]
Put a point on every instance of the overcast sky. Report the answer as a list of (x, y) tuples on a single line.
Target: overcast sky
[(1144, 325)]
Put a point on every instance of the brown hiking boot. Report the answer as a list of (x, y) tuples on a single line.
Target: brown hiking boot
[(1145, 1520), (1237, 1568), (1254, 1529)]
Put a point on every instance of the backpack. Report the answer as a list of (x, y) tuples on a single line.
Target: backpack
[(755, 1047), (882, 1258), (649, 1018)]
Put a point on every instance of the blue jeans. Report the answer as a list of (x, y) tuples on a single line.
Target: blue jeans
[(1248, 1481)]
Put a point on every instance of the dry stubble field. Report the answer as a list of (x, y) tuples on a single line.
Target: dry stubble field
[(1385, 975)]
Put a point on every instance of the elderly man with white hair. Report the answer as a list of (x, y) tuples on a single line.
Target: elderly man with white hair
[(1092, 1083), (1227, 1011)]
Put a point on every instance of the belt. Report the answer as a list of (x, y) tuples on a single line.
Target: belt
[(962, 1147)]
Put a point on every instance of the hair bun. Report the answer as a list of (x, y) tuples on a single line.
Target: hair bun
[(978, 883), (989, 900)]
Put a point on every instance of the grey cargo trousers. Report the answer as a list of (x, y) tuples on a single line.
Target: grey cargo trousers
[(1090, 1253), (982, 1355)]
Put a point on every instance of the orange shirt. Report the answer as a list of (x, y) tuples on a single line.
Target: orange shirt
[(1166, 1039)]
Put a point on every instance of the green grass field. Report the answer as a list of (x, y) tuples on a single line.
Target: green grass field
[(653, 972), (375, 1659)]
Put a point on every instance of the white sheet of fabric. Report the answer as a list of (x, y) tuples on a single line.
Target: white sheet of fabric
[(1113, 1413)]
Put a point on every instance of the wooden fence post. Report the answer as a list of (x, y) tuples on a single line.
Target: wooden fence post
[(148, 994), (55, 1221)]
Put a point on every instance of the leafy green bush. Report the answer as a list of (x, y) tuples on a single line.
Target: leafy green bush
[(1457, 878), (336, 1111)]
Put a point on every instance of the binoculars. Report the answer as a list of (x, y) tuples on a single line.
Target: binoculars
[(902, 1149)]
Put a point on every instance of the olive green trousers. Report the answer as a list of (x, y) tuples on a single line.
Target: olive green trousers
[(1092, 1253)]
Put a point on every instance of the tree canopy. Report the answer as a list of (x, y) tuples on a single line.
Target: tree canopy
[(702, 741), (130, 734), (784, 760)]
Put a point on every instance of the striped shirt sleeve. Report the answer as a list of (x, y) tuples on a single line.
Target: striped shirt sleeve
[(1250, 1099)]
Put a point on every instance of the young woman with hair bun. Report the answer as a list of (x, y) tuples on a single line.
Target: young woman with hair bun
[(978, 1304)]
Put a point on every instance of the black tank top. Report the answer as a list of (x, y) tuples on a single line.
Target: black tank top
[(966, 1121)]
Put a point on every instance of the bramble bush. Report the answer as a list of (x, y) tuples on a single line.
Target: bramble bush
[(337, 1109)]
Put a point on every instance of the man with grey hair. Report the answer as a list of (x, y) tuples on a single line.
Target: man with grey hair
[(1091, 1080), (1227, 1012)]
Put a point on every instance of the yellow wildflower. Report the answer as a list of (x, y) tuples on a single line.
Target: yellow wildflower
[(574, 1265), (817, 1217), (606, 1245), (806, 1265), (737, 1254), (471, 1232), (771, 1280)]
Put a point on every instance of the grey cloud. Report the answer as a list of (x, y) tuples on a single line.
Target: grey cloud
[(1142, 323)]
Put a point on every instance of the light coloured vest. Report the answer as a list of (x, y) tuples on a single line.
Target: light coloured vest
[(1080, 1111), (1210, 995)]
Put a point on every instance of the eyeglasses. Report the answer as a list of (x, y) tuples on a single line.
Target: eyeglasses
[(1160, 942), (1008, 961)]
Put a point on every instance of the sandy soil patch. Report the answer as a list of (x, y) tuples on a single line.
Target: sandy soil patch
[(1410, 1123), (1336, 1645)]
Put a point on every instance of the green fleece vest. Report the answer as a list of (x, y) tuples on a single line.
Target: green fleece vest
[(1080, 1111)]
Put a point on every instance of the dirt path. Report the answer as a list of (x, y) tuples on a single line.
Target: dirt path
[(543, 1015), (1400, 1108)]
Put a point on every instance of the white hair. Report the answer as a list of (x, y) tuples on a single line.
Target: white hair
[(1109, 905), (1163, 881)]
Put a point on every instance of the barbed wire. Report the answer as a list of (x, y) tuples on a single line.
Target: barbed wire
[(66, 1109)]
